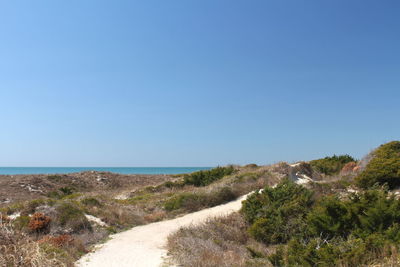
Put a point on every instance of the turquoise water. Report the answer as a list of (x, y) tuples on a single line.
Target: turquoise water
[(121, 170)]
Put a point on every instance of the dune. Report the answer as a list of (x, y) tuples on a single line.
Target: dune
[(145, 246)]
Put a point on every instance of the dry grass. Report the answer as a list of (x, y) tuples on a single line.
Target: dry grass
[(218, 242), (17, 249)]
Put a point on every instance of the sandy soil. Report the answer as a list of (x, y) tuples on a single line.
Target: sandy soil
[(16, 188), (144, 246)]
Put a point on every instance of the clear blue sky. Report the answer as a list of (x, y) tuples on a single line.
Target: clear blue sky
[(196, 83)]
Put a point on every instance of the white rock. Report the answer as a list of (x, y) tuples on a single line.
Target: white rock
[(14, 215), (96, 220)]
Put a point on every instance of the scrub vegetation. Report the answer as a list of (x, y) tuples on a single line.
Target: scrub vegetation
[(383, 168), (331, 165), (351, 220), (349, 215), (66, 221)]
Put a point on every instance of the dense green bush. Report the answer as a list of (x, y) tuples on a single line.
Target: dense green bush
[(383, 168), (358, 229), (373, 211), (203, 178), (277, 214), (331, 165), (350, 232), (352, 252)]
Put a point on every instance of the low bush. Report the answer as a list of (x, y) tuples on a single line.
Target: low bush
[(57, 241), (373, 211), (277, 214), (62, 192), (187, 201), (203, 178), (383, 167), (91, 201), (353, 252), (220, 196), (39, 223), (175, 184), (69, 215), (15, 207), (196, 201), (31, 206), (331, 165), (21, 223), (65, 247), (361, 229)]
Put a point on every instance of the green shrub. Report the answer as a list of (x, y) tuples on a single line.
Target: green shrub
[(373, 211), (69, 215), (62, 192), (279, 213), (140, 197), (91, 201), (187, 201), (176, 184), (15, 207), (331, 165), (351, 252), (220, 196), (343, 232), (330, 218), (203, 178), (21, 222), (196, 201), (383, 168), (30, 207), (111, 230)]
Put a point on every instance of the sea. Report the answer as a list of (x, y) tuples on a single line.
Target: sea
[(120, 170)]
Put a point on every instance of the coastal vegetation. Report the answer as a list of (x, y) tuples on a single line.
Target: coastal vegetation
[(331, 165), (352, 211), (383, 168), (203, 178), (193, 202), (67, 220), (349, 219)]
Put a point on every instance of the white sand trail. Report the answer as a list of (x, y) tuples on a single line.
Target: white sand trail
[(144, 246)]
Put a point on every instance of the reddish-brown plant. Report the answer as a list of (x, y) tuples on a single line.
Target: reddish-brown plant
[(39, 222), (57, 241)]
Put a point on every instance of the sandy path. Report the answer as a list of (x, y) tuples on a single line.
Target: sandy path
[(144, 246)]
